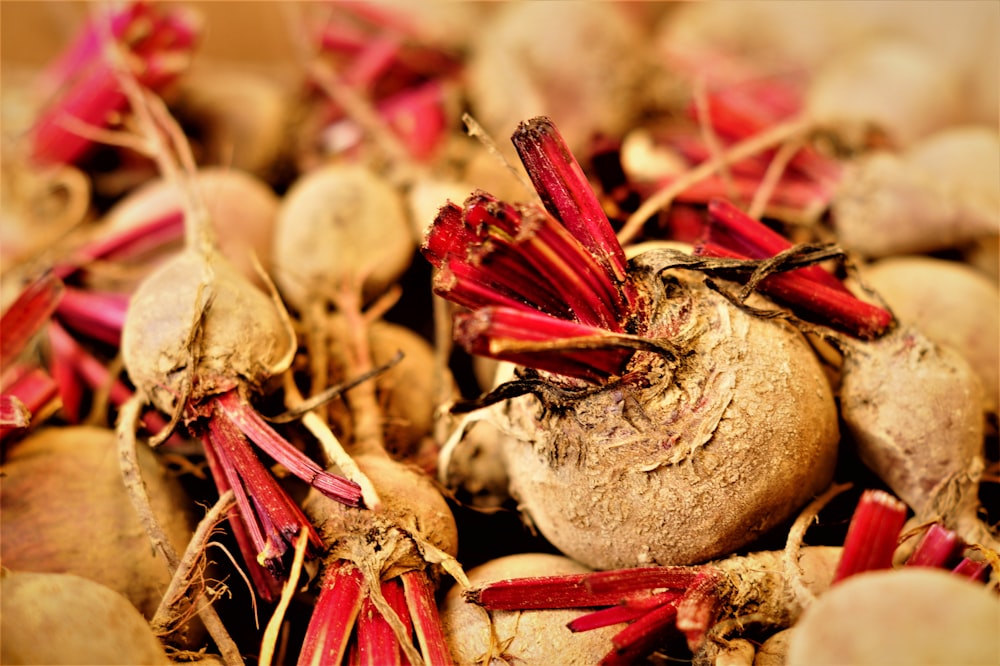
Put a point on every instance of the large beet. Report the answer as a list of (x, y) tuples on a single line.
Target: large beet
[(667, 425), (51, 618), (695, 460), (64, 509)]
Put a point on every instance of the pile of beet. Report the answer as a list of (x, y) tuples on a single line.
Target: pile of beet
[(304, 362)]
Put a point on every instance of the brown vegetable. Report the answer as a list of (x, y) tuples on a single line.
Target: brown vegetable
[(531, 637), (53, 618), (64, 509), (912, 615), (704, 454)]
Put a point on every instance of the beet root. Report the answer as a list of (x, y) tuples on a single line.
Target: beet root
[(63, 488), (908, 615), (412, 511), (52, 618), (915, 412), (951, 303), (196, 326), (376, 595), (709, 451)]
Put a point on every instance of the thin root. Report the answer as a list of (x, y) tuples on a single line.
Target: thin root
[(790, 558), (167, 613), (135, 488), (270, 638)]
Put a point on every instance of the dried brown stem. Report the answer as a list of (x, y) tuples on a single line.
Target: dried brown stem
[(168, 612), (775, 170), (478, 132), (135, 488), (332, 448), (270, 638)]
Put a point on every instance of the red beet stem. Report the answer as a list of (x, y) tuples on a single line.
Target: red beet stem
[(644, 579), (651, 598), (626, 611), (272, 518), (561, 183), (642, 637), (606, 617), (734, 229), (418, 117), (126, 26), (377, 644), (872, 535), (698, 610), (97, 315), (494, 253), (423, 610), (529, 274), (793, 194), (448, 235), (342, 38), (333, 617), (14, 414), (26, 316), (28, 391), (72, 363), (489, 282), (539, 241), (91, 101), (77, 363), (265, 582), (973, 570), (375, 57), (938, 547), (156, 233), (92, 95), (739, 112), (603, 588), (63, 365), (814, 301), (251, 424), (496, 331)]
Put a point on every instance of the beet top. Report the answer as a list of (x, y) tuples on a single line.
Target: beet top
[(668, 425)]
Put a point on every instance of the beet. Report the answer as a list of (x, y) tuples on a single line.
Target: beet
[(684, 461), (64, 509)]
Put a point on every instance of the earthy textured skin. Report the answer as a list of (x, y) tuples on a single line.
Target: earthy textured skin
[(336, 224), (64, 509), (585, 73), (50, 618), (241, 338), (242, 208), (387, 542), (896, 86), (721, 446), (914, 410), (888, 206), (525, 638)]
